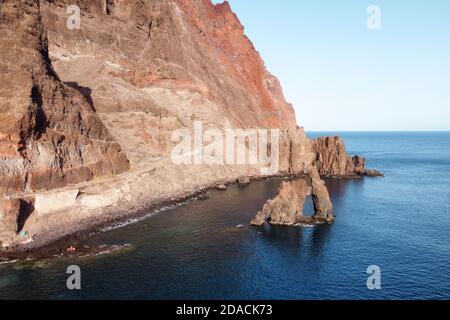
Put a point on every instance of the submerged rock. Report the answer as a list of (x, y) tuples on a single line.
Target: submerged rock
[(374, 173)]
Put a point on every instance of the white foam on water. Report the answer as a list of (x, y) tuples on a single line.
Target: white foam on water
[(132, 221)]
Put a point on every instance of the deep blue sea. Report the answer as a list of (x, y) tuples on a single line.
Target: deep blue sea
[(400, 223)]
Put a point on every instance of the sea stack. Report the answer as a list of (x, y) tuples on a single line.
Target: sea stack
[(287, 207), (332, 160)]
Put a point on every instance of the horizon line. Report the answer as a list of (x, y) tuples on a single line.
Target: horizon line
[(350, 130)]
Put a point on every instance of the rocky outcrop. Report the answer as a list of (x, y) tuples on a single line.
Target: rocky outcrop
[(331, 159), (50, 135), (287, 207), (323, 208), (10, 210)]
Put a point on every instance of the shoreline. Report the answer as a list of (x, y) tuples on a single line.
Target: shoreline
[(55, 243)]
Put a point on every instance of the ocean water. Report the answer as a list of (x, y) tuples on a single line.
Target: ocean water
[(400, 223)]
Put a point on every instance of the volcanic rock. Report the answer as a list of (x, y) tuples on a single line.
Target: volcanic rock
[(373, 173), (9, 217), (323, 208), (287, 207), (331, 159), (49, 133), (49, 203)]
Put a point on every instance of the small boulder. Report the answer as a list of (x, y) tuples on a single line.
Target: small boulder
[(203, 197), (222, 187), (374, 173), (243, 180)]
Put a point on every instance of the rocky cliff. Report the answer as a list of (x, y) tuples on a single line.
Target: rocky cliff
[(156, 64), (50, 135), (331, 159), (87, 111)]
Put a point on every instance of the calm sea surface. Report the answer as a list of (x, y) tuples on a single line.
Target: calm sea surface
[(400, 223)]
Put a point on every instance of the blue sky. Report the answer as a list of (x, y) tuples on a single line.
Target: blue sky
[(341, 76)]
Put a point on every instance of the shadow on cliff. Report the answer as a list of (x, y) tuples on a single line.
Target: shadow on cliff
[(26, 209), (85, 91), (41, 118)]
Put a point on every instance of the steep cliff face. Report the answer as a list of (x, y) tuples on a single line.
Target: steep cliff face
[(221, 35), (140, 68), (49, 134), (162, 65)]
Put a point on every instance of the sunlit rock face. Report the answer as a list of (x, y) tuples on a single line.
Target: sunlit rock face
[(163, 64), (331, 159), (80, 103), (9, 217)]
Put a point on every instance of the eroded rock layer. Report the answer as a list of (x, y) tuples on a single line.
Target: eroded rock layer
[(9, 217), (50, 135)]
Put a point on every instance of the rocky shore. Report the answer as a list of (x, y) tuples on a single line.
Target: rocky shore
[(49, 242)]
